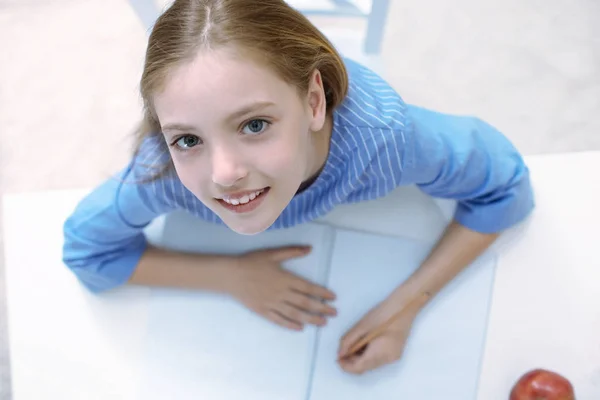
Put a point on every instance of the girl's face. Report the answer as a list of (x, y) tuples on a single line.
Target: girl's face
[(242, 140)]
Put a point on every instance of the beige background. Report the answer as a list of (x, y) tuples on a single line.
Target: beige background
[(69, 72)]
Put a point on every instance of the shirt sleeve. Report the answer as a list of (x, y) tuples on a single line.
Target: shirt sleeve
[(103, 237), (467, 160)]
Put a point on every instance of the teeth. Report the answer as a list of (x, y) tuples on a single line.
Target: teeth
[(244, 199)]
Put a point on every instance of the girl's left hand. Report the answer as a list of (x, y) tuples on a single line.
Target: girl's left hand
[(384, 349)]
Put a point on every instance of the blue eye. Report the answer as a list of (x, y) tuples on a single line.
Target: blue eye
[(255, 127), (187, 141)]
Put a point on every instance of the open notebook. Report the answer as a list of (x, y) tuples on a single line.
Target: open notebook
[(203, 346)]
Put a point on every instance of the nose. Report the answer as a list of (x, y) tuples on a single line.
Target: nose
[(227, 167)]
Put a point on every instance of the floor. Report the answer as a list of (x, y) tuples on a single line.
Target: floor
[(68, 95)]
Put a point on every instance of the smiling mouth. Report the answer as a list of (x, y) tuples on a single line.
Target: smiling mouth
[(246, 203), (235, 201)]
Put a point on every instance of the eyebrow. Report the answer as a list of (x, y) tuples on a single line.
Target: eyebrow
[(239, 113), (177, 127), (259, 105)]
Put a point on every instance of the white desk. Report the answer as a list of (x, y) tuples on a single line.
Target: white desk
[(546, 303), (68, 344)]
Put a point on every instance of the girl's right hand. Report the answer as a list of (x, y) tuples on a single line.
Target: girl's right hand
[(261, 284)]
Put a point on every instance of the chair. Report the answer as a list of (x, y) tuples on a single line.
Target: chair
[(375, 11)]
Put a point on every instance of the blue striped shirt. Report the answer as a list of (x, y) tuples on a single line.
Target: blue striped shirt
[(378, 143)]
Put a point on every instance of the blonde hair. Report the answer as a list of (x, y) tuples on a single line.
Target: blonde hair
[(270, 30)]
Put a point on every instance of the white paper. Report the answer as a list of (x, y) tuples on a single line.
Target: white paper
[(442, 356), (204, 346)]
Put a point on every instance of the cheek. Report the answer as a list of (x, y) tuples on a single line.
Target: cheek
[(275, 161), (190, 174), (284, 155)]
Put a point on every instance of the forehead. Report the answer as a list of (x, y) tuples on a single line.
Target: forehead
[(216, 82)]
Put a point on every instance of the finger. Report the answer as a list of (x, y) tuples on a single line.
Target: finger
[(378, 353), (350, 364), (308, 288), (367, 361), (286, 253), (310, 304), (276, 317), (349, 339), (295, 314)]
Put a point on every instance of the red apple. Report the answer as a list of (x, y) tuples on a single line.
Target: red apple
[(541, 384)]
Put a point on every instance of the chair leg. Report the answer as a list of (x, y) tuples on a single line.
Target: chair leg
[(147, 12), (376, 26)]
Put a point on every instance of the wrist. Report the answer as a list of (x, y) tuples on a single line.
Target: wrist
[(410, 297), (220, 275)]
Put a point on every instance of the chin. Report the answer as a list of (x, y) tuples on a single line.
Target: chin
[(247, 232), (247, 228)]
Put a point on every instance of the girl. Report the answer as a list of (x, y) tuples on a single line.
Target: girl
[(252, 119)]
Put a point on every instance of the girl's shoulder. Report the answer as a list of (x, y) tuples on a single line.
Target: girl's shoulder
[(371, 102), (371, 119)]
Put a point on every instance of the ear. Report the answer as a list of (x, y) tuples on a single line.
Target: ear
[(317, 103)]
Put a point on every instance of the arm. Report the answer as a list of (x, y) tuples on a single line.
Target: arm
[(458, 158), (467, 160), (458, 247), (103, 237), (185, 271)]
